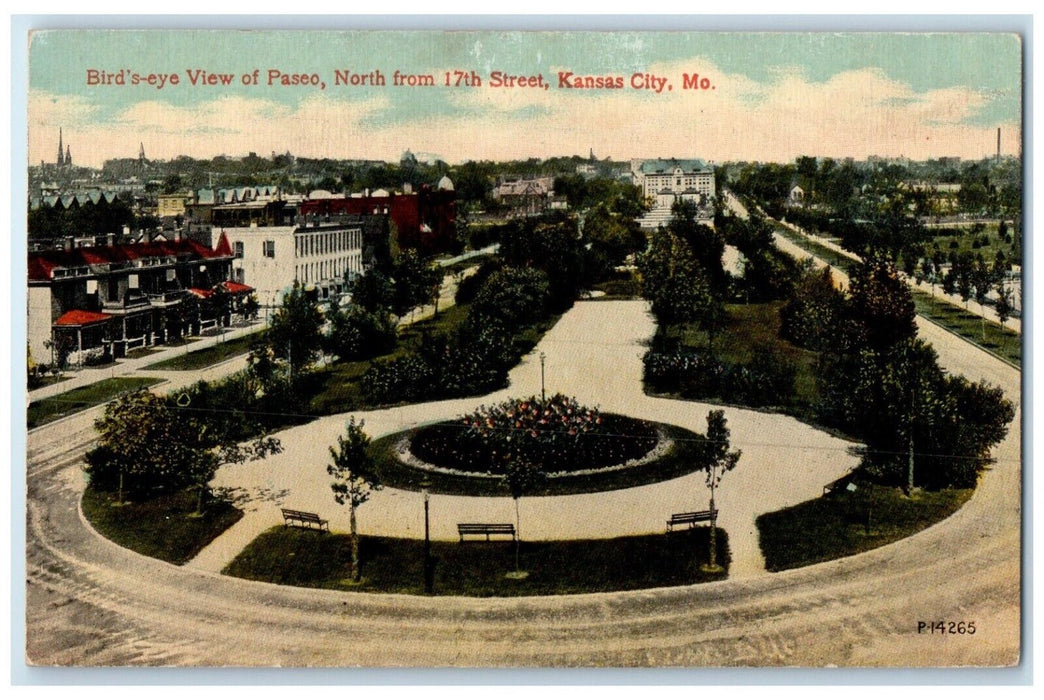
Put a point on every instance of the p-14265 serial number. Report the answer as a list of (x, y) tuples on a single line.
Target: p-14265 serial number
[(945, 627)]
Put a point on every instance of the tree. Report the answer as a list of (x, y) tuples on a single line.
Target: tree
[(613, 235), (983, 279), (717, 460), (515, 296), (373, 291), (295, 333), (706, 244), (1004, 307), (521, 476), (812, 317), (674, 282), (354, 481), (415, 283), (250, 307), (549, 243), (357, 334), (880, 307), (145, 446)]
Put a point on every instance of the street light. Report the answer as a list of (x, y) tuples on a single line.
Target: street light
[(543, 398), (428, 577)]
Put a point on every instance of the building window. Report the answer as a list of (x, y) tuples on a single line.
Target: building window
[(239, 249), (269, 249)]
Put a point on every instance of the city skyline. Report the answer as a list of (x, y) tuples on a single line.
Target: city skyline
[(771, 97)]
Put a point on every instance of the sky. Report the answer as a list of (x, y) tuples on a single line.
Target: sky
[(769, 96)]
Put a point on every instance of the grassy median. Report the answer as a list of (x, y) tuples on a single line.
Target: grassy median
[(44, 411), (206, 357)]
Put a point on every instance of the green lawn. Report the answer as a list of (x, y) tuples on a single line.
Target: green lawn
[(44, 411), (335, 388), (46, 379), (989, 335), (298, 557), (752, 330), (198, 359), (835, 525), (164, 527)]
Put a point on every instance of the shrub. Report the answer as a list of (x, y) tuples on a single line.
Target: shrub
[(558, 434), (408, 378), (765, 381)]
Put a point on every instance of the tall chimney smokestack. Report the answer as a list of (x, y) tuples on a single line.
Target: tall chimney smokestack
[(998, 143)]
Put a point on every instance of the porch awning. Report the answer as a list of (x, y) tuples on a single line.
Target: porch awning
[(79, 319), (236, 288)]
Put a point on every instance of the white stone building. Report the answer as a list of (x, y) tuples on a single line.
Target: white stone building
[(319, 255)]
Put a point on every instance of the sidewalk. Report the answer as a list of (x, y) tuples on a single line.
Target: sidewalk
[(127, 366)]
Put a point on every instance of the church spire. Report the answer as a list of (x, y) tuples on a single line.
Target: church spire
[(68, 156), (61, 151)]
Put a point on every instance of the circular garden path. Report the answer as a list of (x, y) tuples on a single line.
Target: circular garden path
[(593, 353)]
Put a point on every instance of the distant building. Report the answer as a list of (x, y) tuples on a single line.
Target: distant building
[(172, 205), (796, 198), (664, 182), (424, 220), (525, 195), (108, 299), (240, 206)]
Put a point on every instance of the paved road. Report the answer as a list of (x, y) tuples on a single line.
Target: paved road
[(92, 602)]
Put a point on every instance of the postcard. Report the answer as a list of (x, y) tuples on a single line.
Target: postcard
[(545, 349)]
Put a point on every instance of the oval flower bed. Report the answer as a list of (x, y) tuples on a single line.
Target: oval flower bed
[(558, 435)]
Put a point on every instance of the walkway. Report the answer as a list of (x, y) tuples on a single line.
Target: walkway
[(593, 353)]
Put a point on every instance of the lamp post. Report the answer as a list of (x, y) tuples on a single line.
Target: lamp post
[(543, 397), (428, 577)]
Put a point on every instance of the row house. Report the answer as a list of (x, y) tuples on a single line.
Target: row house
[(101, 301)]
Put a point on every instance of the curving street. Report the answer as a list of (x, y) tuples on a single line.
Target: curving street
[(90, 602)]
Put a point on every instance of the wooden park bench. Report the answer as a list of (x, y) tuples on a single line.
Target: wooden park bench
[(300, 518), (486, 529), (838, 484), (690, 519)]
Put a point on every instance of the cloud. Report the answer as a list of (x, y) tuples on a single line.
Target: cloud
[(853, 113), (228, 125), (47, 109)]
